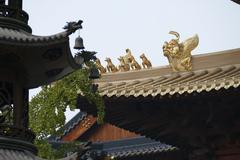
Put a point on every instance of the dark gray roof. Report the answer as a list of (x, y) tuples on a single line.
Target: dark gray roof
[(70, 125), (7, 154), (129, 147), (39, 59), (16, 36), (73, 122), (74, 156), (133, 147), (236, 1)]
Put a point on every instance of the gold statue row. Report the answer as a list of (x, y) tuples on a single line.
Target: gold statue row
[(127, 63), (178, 54)]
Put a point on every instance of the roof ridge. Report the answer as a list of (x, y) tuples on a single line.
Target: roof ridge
[(200, 62)]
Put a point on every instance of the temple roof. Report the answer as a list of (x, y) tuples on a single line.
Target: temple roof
[(122, 148), (211, 71), (37, 60), (236, 1), (134, 147), (71, 124), (129, 147), (10, 154), (20, 37)]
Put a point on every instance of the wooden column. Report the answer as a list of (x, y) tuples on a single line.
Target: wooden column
[(15, 4), (25, 115), (18, 102)]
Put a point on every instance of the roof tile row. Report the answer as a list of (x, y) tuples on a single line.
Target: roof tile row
[(24, 37), (135, 147), (186, 82)]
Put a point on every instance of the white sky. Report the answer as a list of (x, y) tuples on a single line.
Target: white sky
[(111, 26)]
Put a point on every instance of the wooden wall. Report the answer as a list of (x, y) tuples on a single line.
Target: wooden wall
[(88, 130), (80, 129), (108, 132)]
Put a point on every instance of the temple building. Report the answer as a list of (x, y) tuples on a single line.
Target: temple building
[(192, 104), (188, 110)]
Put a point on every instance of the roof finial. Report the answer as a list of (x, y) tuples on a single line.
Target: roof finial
[(110, 66), (179, 54), (71, 27), (99, 66), (145, 62), (124, 66), (133, 63)]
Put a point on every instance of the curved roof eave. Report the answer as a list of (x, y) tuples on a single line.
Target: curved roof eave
[(20, 37), (39, 60), (236, 1)]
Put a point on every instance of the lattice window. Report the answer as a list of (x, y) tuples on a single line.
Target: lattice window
[(6, 102)]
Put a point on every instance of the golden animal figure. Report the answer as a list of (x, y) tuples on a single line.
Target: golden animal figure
[(123, 65), (126, 59), (133, 63), (129, 55), (100, 67), (110, 66), (179, 54), (145, 62)]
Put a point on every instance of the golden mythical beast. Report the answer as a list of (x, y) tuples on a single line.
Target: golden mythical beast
[(179, 54)]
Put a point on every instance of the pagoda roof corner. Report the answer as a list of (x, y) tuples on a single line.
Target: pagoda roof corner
[(39, 59)]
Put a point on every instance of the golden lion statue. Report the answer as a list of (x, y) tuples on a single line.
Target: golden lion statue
[(110, 66), (133, 63), (145, 62), (99, 66), (123, 65), (179, 54)]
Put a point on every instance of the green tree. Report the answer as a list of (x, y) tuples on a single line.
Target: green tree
[(46, 109)]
